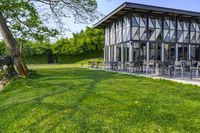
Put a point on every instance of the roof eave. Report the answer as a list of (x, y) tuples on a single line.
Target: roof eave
[(177, 12), (109, 15)]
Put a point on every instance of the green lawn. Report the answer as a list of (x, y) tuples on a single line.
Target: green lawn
[(66, 99)]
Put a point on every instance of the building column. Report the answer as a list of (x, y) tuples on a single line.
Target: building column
[(131, 52), (115, 53), (104, 54), (189, 52), (147, 53), (109, 54), (177, 52), (122, 55), (163, 52)]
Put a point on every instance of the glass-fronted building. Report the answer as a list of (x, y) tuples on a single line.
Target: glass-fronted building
[(136, 32)]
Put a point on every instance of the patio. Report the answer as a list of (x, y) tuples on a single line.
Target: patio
[(186, 72)]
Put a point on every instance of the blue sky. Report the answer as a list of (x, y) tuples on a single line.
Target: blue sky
[(106, 6)]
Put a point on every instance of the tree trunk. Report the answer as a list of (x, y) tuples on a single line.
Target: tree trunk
[(11, 43)]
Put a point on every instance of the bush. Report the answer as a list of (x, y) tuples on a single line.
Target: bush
[(37, 59), (67, 59)]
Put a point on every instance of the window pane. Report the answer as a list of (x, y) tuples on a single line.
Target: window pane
[(136, 51), (135, 21)]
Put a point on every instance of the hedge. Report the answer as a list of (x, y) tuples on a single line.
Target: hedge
[(62, 59)]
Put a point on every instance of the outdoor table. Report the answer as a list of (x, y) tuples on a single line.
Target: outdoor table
[(91, 64), (98, 64), (167, 65), (113, 65)]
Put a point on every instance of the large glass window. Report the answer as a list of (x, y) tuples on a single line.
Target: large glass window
[(143, 28), (195, 32), (118, 53), (126, 53), (136, 51), (182, 52), (107, 36), (152, 51), (126, 29), (152, 29), (159, 29), (172, 30), (139, 27), (166, 35), (180, 31), (155, 29), (155, 52), (136, 27), (143, 51), (198, 32), (106, 50), (186, 38), (169, 29), (183, 31), (119, 31), (112, 53), (197, 53), (112, 34), (169, 52), (192, 52)]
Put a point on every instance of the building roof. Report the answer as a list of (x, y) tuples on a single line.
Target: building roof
[(127, 7)]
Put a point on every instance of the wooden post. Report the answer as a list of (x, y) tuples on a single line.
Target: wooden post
[(115, 53), (147, 58), (177, 52), (163, 52), (131, 52), (189, 52)]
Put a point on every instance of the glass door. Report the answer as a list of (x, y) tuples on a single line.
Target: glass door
[(143, 52), (126, 53), (136, 51), (118, 54), (155, 52), (169, 52)]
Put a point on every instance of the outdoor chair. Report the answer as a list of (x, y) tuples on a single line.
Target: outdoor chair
[(157, 67), (151, 66), (194, 66), (145, 65), (166, 65), (99, 64), (179, 65), (136, 66), (131, 65), (113, 65), (127, 66), (119, 66), (91, 64), (139, 66)]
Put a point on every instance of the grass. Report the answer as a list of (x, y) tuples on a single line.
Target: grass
[(64, 98), (83, 63)]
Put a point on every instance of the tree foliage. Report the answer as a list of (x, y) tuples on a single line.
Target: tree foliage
[(26, 18), (86, 41), (3, 50)]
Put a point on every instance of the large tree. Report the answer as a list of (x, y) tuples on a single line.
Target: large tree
[(25, 19)]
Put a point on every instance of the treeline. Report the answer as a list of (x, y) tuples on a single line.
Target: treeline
[(86, 44)]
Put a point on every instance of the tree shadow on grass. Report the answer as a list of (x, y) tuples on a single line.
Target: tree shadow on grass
[(141, 115), (95, 78)]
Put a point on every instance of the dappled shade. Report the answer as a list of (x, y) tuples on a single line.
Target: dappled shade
[(74, 99)]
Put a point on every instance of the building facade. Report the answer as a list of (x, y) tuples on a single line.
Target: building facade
[(135, 32)]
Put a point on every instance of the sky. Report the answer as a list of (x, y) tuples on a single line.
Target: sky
[(107, 6)]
